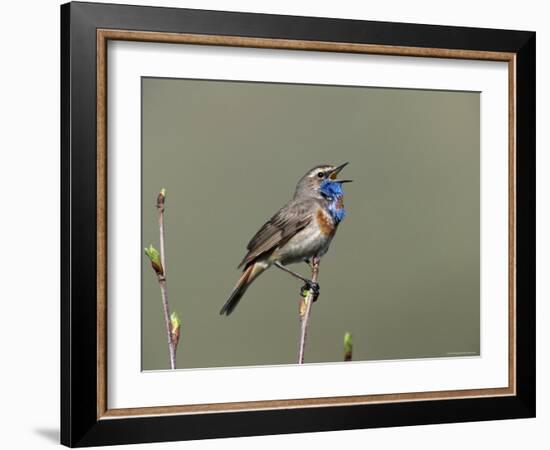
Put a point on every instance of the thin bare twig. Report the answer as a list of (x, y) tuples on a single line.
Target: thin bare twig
[(305, 310)]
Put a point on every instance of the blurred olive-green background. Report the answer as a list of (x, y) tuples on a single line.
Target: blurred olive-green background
[(402, 274)]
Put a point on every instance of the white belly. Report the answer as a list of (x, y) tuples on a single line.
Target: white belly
[(304, 245)]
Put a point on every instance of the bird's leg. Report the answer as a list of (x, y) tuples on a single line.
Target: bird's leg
[(291, 272), (309, 285)]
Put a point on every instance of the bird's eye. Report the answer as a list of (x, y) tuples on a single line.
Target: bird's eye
[(320, 174)]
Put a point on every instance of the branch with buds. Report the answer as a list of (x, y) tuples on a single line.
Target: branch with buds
[(158, 263)]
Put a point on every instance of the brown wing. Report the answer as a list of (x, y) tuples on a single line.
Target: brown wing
[(288, 221)]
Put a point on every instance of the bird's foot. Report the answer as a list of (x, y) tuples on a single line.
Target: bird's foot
[(310, 286)]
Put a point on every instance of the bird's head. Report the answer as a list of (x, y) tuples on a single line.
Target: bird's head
[(320, 180)]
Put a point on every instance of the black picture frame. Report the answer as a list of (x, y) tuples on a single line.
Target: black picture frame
[(80, 425)]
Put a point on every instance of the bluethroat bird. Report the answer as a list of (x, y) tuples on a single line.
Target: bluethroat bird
[(299, 231)]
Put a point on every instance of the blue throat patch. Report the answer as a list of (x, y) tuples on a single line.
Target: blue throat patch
[(333, 192)]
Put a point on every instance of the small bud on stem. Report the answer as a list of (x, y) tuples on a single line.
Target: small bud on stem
[(175, 327), (161, 198), (154, 257), (348, 346)]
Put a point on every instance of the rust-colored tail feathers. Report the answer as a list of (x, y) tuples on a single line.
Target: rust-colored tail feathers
[(250, 273)]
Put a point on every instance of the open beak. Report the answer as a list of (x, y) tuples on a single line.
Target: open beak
[(336, 171)]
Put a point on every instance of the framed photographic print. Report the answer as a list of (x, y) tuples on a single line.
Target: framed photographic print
[(202, 149)]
